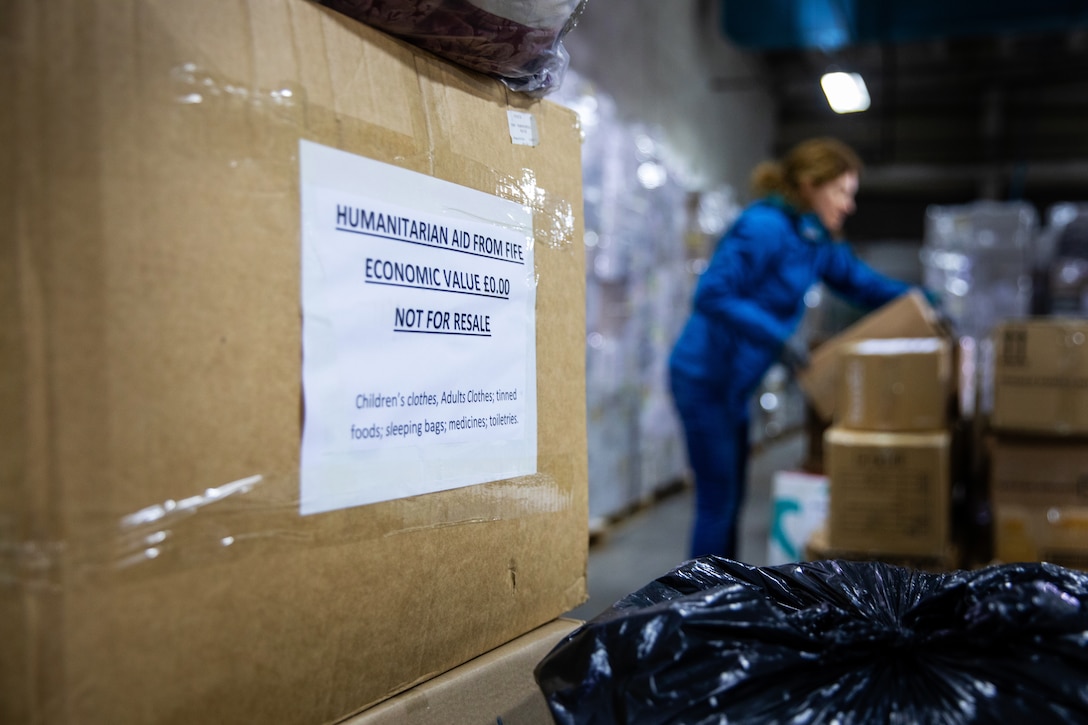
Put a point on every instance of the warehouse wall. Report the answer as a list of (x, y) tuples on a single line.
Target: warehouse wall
[(666, 65)]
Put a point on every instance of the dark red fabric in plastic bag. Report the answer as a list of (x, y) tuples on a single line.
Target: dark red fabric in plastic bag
[(717, 641), (526, 58)]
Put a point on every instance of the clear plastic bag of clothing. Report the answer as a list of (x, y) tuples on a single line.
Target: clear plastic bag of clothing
[(520, 42), (717, 641)]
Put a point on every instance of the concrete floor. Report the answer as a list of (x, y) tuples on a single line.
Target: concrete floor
[(653, 541)]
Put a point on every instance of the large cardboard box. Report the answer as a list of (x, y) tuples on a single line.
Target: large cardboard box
[(496, 687), (908, 316), (895, 385), (156, 564), (1041, 376), (1057, 534), (890, 492), (1038, 471)]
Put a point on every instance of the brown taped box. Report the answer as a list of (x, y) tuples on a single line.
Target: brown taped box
[(818, 549), (890, 492), (908, 316), (149, 280), (497, 687), (1057, 534), (1038, 472), (895, 385), (1041, 376)]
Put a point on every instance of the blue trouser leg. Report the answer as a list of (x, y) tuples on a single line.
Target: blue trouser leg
[(742, 432), (716, 433)]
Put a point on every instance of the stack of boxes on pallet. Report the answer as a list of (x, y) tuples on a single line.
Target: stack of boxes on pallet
[(1038, 445), (185, 305), (887, 455)]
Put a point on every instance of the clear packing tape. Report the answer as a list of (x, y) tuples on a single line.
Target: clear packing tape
[(251, 515), (218, 98)]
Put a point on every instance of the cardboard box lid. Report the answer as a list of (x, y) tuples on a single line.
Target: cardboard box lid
[(909, 316), (895, 384), (151, 386), (837, 435)]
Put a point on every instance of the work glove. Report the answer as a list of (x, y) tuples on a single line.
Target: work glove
[(795, 355)]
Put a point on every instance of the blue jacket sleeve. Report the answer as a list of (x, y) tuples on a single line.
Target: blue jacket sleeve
[(723, 292), (858, 282)]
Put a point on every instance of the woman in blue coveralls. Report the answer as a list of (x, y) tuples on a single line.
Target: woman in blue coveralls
[(748, 303)]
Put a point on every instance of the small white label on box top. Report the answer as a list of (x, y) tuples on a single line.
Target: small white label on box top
[(523, 128)]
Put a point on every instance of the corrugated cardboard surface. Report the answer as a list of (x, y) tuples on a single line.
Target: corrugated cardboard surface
[(1041, 376), (497, 687), (1038, 472), (895, 385), (908, 316), (1058, 534), (155, 566), (817, 549), (889, 491)]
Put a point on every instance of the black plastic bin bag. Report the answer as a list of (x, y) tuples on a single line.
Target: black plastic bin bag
[(717, 641)]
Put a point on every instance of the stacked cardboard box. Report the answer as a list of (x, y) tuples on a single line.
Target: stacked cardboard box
[(888, 452), (161, 560), (1038, 451), (910, 316)]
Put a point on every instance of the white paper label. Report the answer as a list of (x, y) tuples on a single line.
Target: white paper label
[(418, 333), (522, 128)]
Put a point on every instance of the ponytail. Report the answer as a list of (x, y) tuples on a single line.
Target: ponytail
[(815, 161)]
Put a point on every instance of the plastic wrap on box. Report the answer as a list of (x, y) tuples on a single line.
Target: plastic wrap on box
[(662, 457), (661, 292), (612, 436), (661, 444), (517, 41), (718, 641), (639, 279), (977, 257), (1062, 263)]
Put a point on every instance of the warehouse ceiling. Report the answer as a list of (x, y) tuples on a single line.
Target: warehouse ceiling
[(970, 98)]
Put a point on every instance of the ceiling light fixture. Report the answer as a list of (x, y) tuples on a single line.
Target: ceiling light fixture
[(846, 92)]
